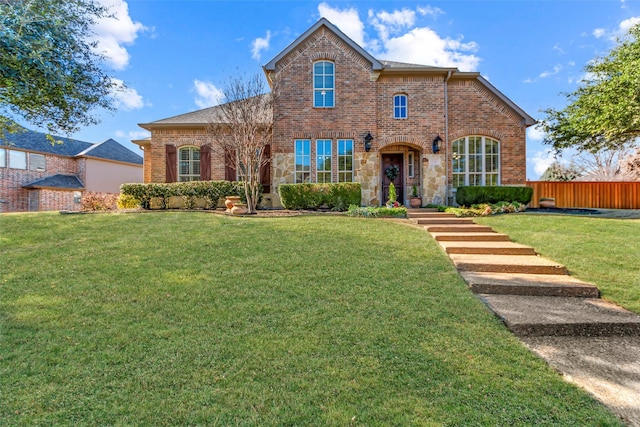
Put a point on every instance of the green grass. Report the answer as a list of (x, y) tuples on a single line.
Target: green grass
[(602, 251), (179, 318)]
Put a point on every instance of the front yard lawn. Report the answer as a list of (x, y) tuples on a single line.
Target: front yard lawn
[(182, 318), (602, 251)]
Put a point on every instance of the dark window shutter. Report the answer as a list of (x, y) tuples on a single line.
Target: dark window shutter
[(229, 171), (171, 162), (205, 163), (265, 171)]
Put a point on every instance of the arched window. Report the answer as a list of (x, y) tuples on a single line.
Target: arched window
[(188, 164), (476, 161), (323, 84), (400, 107)]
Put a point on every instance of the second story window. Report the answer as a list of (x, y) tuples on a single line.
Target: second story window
[(400, 107), (323, 84)]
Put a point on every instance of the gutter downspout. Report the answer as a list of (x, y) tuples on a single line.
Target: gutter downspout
[(446, 137)]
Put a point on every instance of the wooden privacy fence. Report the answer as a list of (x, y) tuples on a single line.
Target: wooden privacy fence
[(584, 194)]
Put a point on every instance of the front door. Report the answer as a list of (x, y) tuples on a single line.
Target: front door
[(388, 160)]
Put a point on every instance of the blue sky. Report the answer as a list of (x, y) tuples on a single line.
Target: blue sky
[(175, 56)]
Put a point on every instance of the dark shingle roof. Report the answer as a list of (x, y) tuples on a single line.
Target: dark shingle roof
[(60, 181), (110, 149)]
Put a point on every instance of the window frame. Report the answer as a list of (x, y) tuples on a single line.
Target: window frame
[(400, 109), (321, 90), (193, 176), (343, 159), (322, 156), (411, 156), (302, 161), (3, 158), (470, 161), (35, 160), (12, 155)]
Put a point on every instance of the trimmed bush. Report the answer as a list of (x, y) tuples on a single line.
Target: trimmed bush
[(191, 192), (337, 196), (475, 195), (377, 212)]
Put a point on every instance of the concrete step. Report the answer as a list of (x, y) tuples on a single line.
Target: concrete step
[(457, 228), (527, 264), (529, 284), (422, 210), (486, 248), (560, 316), (469, 237), (442, 220), (420, 215)]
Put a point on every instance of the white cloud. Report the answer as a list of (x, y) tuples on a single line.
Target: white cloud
[(134, 134), (558, 49), (598, 32), (555, 71), (535, 134), (425, 46), (400, 39), (207, 94), (387, 23), (259, 45), (125, 97), (628, 23), (541, 160), (113, 33), (430, 11), (348, 20)]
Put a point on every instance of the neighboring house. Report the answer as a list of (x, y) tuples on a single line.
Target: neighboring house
[(343, 115), (38, 175)]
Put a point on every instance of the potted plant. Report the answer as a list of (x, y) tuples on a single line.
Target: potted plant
[(415, 201)]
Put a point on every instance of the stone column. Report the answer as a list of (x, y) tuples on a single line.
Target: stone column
[(434, 179), (367, 170)]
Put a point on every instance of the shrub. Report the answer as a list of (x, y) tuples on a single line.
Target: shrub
[(474, 195), (337, 196), (126, 201), (211, 191), (93, 202), (377, 212)]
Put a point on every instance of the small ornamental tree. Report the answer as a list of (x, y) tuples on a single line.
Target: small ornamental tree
[(242, 131)]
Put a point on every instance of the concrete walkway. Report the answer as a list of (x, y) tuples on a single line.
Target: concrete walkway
[(593, 343)]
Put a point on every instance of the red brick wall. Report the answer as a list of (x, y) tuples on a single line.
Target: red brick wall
[(473, 110), (14, 198)]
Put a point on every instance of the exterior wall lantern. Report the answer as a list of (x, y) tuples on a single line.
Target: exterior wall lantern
[(367, 142), (436, 144)]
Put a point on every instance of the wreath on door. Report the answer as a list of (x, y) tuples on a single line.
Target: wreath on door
[(392, 172)]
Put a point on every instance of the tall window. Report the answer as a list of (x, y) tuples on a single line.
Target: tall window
[(400, 107), (3, 157), (411, 164), (323, 163), (323, 84), (476, 161), (188, 164), (345, 160), (37, 162), (303, 161)]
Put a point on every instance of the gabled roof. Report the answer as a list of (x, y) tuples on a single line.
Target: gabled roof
[(271, 65), (29, 140), (196, 118), (111, 150), (59, 181), (36, 141)]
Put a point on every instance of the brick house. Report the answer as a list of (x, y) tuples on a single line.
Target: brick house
[(343, 115), (36, 175)]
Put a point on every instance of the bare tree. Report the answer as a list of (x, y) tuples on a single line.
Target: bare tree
[(616, 164), (242, 131)]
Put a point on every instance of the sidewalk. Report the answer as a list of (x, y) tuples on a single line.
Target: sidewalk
[(593, 343)]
